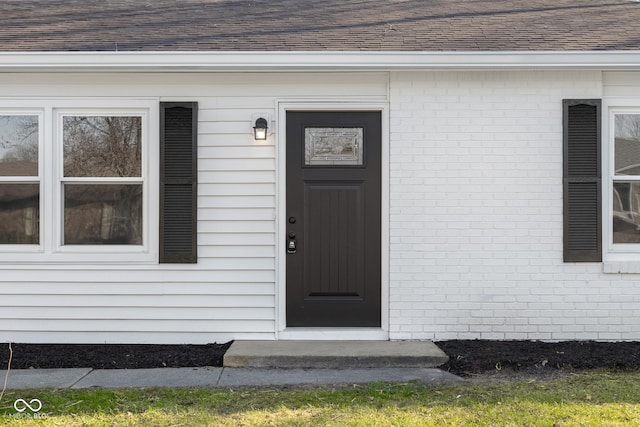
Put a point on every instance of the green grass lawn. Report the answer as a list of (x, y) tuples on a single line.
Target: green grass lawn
[(595, 398)]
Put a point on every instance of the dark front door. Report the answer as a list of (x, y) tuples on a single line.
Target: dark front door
[(333, 218)]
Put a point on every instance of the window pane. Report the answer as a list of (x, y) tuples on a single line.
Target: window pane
[(19, 214), (102, 146), (627, 144), (102, 214), (626, 212), (18, 145), (333, 146)]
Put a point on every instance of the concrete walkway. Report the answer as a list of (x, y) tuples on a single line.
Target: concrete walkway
[(334, 354), (264, 364), (214, 377)]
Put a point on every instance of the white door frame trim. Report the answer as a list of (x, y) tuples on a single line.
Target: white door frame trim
[(282, 332)]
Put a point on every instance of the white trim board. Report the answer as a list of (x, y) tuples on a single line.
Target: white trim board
[(282, 332), (225, 61), (334, 334)]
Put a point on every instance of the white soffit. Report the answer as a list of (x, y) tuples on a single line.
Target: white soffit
[(313, 61)]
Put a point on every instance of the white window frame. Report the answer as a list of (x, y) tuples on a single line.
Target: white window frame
[(26, 248), (615, 252), (51, 249)]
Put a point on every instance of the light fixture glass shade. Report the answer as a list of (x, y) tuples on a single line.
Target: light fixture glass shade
[(260, 129)]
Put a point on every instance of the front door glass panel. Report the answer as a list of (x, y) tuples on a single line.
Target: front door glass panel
[(333, 146)]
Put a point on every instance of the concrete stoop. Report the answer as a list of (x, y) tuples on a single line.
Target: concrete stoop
[(334, 354)]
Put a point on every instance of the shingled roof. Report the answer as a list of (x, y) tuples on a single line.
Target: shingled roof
[(324, 25)]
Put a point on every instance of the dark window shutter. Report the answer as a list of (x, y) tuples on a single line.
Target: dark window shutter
[(178, 182), (582, 181)]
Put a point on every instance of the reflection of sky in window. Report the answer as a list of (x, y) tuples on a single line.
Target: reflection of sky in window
[(17, 131), (627, 126), (627, 144)]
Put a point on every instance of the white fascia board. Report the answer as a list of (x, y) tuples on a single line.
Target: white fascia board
[(312, 61)]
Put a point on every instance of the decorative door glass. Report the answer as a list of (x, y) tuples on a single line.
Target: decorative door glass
[(333, 146)]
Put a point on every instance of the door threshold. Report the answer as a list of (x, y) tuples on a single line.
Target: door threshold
[(334, 334)]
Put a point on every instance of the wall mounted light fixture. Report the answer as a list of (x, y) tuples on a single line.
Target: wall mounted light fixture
[(260, 129)]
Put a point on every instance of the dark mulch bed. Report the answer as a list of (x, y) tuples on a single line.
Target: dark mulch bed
[(466, 358), (480, 357), (111, 356)]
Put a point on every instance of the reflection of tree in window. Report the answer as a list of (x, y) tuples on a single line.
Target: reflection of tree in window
[(103, 214), (627, 144), (102, 146), (20, 191), (627, 126), (622, 192), (102, 211), (18, 145)]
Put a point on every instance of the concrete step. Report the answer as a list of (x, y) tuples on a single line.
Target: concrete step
[(334, 354)]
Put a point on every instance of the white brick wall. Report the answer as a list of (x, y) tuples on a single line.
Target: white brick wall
[(476, 213)]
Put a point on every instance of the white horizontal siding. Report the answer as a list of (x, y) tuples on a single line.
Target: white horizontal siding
[(226, 140), (135, 301), (236, 202), (621, 84), (209, 164), (237, 177), (231, 292), (254, 239), (238, 152), (146, 325), (227, 189), (136, 288), (243, 264), (139, 313), (237, 251), (134, 337), (236, 214), (237, 226), (61, 276)]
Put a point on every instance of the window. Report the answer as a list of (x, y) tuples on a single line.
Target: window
[(101, 192), (102, 179), (79, 182), (98, 181), (19, 178), (625, 204)]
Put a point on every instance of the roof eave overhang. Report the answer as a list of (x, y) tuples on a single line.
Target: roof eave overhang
[(275, 61)]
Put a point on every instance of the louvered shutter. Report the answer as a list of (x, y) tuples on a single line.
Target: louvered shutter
[(178, 182), (582, 181)]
